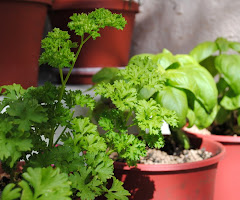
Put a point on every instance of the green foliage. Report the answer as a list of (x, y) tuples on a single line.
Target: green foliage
[(40, 184), (132, 104), (153, 89), (225, 67), (91, 23), (58, 49), (186, 84), (29, 120), (116, 191)]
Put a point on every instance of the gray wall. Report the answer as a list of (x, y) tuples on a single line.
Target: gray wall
[(179, 25)]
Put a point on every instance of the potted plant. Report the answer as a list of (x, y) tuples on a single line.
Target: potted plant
[(69, 163), (111, 50), (150, 90), (222, 60), (23, 24)]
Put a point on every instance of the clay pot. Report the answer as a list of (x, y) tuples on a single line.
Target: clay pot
[(22, 25), (228, 174), (173, 181), (110, 50)]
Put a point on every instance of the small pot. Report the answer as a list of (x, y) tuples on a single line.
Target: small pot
[(193, 180), (110, 50), (22, 25), (228, 174)]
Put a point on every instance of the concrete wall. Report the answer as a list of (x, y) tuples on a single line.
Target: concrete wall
[(179, 25)]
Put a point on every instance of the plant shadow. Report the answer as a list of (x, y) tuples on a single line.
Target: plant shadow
[(137, 182)]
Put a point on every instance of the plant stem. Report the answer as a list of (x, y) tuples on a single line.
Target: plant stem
[(71, 68), (64, 82), (128, 115), (61, 74)]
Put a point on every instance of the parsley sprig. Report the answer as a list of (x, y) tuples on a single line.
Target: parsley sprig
[(131, 105)]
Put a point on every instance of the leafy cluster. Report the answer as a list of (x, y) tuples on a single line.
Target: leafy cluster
[(91, 23), (131, 106), (65, 157), (157, 88), (221, 58)]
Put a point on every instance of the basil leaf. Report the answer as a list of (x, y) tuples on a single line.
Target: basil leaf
[(176, 100), (229, 67), (203, 50), (196, 79)]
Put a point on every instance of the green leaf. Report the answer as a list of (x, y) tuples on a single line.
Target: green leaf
[(203, 119), (101, 165), (10, 192), (57, 48), (117, 191), (230, 101), (229, 67), (128, 147), (197, 80), (122, 94), (13, 92), (84, 126), (209, 64), (91, 23), (45, 184), (174, 99), (91, 143), (223, 115), (146, 92), (106, 74), (184, 59), (222, 86), (12, 148), (73, 98), (150, 116), (26, 112), (223, 44), (203, 50), (87, 188), (165, 59), (235, 46), (143, 72)]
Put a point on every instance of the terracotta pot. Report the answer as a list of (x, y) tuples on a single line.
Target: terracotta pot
[(228, 174), (173, 181), (110, 50), (22, 25)]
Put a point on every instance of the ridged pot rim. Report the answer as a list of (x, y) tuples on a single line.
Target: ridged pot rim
[(218, 138), (93, 4), (177, 167), (48, 2)]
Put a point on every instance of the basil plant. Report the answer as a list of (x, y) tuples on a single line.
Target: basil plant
[(221, 58)]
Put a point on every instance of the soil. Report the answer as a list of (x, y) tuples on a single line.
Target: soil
[(155, 156), (171, 154)]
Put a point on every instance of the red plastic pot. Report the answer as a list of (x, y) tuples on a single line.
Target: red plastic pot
[(228, 174), (22, 25), (173, 181), (110, 50)]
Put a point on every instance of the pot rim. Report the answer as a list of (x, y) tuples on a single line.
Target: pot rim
[(48, 2), (218, 138), (178, 167), (93, 4)]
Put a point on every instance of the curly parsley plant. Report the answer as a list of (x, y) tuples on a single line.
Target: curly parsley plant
[(80, 166)]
